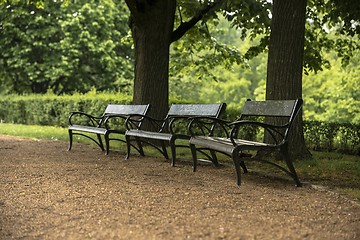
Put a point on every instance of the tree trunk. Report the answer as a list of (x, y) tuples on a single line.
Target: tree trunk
[(152, 26), (285, 63)]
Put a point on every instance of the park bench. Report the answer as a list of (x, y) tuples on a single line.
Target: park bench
[(112, 121), (237, 140), (173, 127)]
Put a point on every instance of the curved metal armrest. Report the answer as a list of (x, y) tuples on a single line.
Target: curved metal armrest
[(133, 121), (174, 120), (108, 117), (206, 124), (95, 121), (271, 129)]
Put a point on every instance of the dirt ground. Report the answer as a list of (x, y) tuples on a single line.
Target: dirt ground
[(50, 193)]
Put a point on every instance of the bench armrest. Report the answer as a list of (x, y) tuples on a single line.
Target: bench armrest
[(275, 131), (117, 117), (178, 122), (93, 120), (206, 126), (134, 121)]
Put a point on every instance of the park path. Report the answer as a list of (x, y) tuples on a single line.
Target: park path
[(50, 193)]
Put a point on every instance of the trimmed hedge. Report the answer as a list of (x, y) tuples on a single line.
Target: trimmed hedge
[(53, 110), (340, 137)]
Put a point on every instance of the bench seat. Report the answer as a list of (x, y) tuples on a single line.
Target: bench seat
[(225, 145)]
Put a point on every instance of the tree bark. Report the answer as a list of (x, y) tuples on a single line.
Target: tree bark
[(152, 26), (285, 63)]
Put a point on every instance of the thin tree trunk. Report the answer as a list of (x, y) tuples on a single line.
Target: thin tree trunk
[(285, 63)]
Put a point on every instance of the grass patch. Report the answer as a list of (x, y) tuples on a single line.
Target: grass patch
[(338, 171), (35, 132)]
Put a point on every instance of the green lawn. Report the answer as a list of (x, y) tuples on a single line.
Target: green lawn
[(337, 171)]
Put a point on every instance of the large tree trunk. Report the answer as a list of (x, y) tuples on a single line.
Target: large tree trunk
[(152, 26), (285, 63)]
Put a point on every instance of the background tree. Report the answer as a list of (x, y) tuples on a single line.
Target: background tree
[(154, 29), (285, 63), (63, 48)]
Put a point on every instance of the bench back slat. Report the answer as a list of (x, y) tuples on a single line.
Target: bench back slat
[(126, 109), (271, 108), (192, 110)]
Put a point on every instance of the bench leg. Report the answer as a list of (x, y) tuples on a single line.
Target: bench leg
[(70, 140), (107, 143), (173, 151), (214, 158), (284, 151), (164, 151), (141, 150), (194, 157), (173, 154), (100, 142), (128, 146), (237, 163)]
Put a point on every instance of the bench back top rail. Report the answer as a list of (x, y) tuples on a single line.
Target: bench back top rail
[(182, 111), (272, 108), (126, 109), (192, 110)]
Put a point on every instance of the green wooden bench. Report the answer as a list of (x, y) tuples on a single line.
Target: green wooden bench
[(112, 121), (171, 128), (233, 144)]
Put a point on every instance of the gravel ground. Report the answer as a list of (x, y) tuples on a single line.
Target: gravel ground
[(50, 193)]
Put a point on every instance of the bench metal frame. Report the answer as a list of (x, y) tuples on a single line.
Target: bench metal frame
[(230, 144), (166, 130), (99, 125)]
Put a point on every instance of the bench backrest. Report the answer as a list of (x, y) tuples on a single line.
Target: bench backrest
[(286, 109), (126, 109)]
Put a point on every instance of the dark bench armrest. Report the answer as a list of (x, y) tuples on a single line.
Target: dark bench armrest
[(206, 126), (173, 120), (95, 121), (108, 118), (271, 129), (134, 121)]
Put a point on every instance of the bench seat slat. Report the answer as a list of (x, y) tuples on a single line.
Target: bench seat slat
[(224, 144), (88, 129), (148, 134)]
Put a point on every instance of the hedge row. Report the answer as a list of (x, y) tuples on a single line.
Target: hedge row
[(54, 110), (340, 137)]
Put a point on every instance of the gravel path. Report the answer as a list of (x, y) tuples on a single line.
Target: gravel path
[(50, 193)]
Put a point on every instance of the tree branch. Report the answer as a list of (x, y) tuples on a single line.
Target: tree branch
[(186, 26)]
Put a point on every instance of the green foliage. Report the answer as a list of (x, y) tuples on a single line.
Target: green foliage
[(333, 95), (64, 48)]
